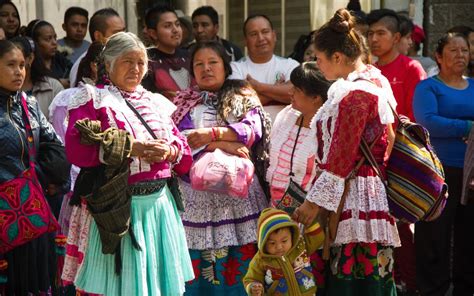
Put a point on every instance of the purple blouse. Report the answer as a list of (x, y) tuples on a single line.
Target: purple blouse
[(248, 130)]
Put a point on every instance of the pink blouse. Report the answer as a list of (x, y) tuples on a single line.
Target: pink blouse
[(107, 104)]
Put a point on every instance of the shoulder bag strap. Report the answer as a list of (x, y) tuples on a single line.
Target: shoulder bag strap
[(29, 133), (172, 181), (148, 128), (367, 151)]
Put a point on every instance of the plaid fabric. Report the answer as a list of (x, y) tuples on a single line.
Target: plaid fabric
[(110, 208), (110, 201), (116, 144)]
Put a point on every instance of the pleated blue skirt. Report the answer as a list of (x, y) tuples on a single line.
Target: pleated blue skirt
[(161, 267)]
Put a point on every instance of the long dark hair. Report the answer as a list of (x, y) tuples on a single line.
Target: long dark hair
[(9, 2), (38, 70), (92, 56), (218, 49)]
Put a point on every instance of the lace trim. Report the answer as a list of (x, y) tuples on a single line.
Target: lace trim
[(223, 236), (379, 231), (111, 99), (62, 99), (214, 220), (341, 88), (327, 191), (77, 242), (366, 194), (80, 97)]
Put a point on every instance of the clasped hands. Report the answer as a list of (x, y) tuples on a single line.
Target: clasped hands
[(152, 151)]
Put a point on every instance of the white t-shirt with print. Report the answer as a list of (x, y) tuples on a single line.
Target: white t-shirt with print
[(278, 69)]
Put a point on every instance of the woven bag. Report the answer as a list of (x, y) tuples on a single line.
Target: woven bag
[(416, 188)]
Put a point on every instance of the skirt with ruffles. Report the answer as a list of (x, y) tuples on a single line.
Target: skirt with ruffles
[(77, 240), (221, 232), (161, 267), (213, 221)]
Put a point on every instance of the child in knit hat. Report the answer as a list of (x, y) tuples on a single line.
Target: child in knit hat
[(282, 265)]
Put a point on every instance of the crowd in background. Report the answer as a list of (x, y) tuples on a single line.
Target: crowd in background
[(117, 132)]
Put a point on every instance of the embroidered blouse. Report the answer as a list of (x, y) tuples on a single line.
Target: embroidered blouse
[(204, 114), (170, 73), (282, 141), (356, 108), (107, 104)]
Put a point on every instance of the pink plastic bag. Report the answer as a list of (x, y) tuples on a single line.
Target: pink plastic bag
[(221, 172)]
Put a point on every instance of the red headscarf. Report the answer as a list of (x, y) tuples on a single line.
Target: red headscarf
[(418, 35)]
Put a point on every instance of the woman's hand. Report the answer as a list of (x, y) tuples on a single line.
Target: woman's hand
[(199, 137), (139, 147), (306, 213), (234, 148), (157, 151), (151, 151)]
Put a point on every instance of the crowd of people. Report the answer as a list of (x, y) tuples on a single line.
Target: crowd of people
[(104, 141)]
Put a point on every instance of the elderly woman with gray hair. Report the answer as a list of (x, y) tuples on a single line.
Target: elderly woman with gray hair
[(126, 236)]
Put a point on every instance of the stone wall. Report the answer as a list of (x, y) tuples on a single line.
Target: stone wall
[(441, 15)]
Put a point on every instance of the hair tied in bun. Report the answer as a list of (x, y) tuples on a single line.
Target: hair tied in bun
[(341, 21)]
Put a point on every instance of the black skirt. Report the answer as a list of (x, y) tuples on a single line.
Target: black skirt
[(32, 267)]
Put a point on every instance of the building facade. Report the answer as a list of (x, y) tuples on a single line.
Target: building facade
[(291, 18)]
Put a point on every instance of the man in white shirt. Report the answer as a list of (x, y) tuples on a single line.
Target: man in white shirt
[(268, 74), (103, 24)]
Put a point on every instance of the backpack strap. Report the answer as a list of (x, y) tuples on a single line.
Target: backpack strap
[(367, 151), (364, 147)]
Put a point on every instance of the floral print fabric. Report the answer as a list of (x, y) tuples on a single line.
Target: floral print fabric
[(361, 269)]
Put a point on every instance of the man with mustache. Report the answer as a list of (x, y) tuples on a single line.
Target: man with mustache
[(268, 74)]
